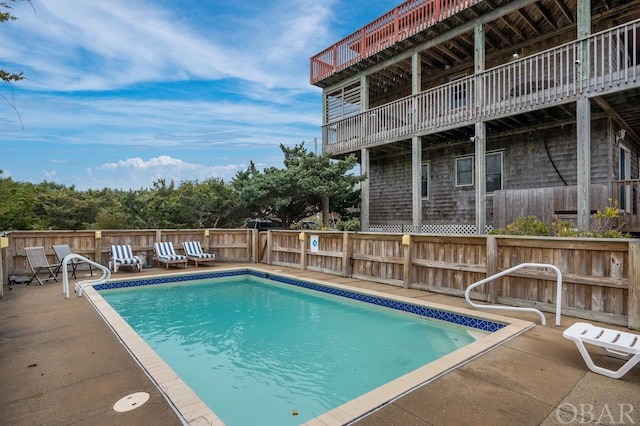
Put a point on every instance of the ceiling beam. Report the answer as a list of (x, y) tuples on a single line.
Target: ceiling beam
[(527, 19), (514, 28), (565, 10), (615, 116), (546, 15)]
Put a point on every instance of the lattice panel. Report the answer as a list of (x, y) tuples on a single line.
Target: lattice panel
[(446, 229)]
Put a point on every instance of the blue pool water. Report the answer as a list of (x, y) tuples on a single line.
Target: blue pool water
[(255, 351)]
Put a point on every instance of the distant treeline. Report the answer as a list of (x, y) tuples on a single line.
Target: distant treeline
[(288, 195)]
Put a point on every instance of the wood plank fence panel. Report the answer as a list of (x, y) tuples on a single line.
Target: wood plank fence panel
[(330, 256), (547, 204), (285, 248), (141, 242), (448, 264), (81, 242), (231, 244), (594, 275), (378, 257)]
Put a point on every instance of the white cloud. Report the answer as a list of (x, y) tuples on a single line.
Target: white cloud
[(138, 163), (134, 172), (49, 175), (130, 41), (122, 92)]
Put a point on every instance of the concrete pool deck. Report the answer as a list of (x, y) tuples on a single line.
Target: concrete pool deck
[(60, 363)]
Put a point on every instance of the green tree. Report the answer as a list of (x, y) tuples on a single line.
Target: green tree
[(60, 207), (208, 204), (17, 210), (110, 213), (295, 192), (154, 208)]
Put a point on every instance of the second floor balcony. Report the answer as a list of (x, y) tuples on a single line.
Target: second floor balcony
[(603, 66)]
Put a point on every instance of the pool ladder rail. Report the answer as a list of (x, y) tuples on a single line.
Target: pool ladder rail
[(517, 308), (80, 285)]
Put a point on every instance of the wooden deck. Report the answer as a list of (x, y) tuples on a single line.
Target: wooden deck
[(602, 64), (402, 22)]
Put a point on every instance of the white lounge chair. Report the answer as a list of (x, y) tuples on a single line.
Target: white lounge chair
[(194, 252), (618, 344), (165, 253), (37, 259), (122, 256)]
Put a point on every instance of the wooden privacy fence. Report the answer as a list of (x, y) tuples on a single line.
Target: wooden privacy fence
[(228, 244), (600, 276)]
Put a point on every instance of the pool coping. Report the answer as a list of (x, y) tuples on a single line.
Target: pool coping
[(193, 410)]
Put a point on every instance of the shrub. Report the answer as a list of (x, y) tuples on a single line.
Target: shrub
[(528, 225), (601, 226), (352, 224)]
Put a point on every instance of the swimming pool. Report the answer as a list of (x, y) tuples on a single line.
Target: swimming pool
[(167, 378)]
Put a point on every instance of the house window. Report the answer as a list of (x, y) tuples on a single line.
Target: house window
[(458, 92), (425, 180), (494, 172), (464, 171)]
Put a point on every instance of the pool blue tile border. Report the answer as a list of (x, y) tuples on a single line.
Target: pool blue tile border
[(423, 311)]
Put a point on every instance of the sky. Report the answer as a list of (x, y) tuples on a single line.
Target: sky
[(121, 93)]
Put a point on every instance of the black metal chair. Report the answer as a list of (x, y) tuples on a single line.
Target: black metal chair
[(62, 251)]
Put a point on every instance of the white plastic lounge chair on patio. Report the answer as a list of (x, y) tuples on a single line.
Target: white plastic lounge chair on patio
[(618, 344), (194, 252), (121, 256), (165, 253), (38, 262), (62, 251)]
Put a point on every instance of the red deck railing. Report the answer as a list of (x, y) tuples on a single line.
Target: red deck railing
[(405, 20)]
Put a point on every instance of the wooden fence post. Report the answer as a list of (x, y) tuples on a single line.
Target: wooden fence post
[(302, 237), (492, 267), (2, 275), (97, 250), (9, 253), (406, 271), (634, 285), (207, 240), (254, 253), (346, 254)]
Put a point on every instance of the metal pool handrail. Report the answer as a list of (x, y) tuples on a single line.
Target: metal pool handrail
[(510, 308), (106, 274)]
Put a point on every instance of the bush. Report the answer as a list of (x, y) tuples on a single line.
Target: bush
[(528, 225), (352, 224), (601, 227)]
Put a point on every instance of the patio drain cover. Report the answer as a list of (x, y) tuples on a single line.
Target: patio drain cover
[(130, 402)]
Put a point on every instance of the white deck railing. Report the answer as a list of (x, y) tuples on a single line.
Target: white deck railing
[(603, 63)]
